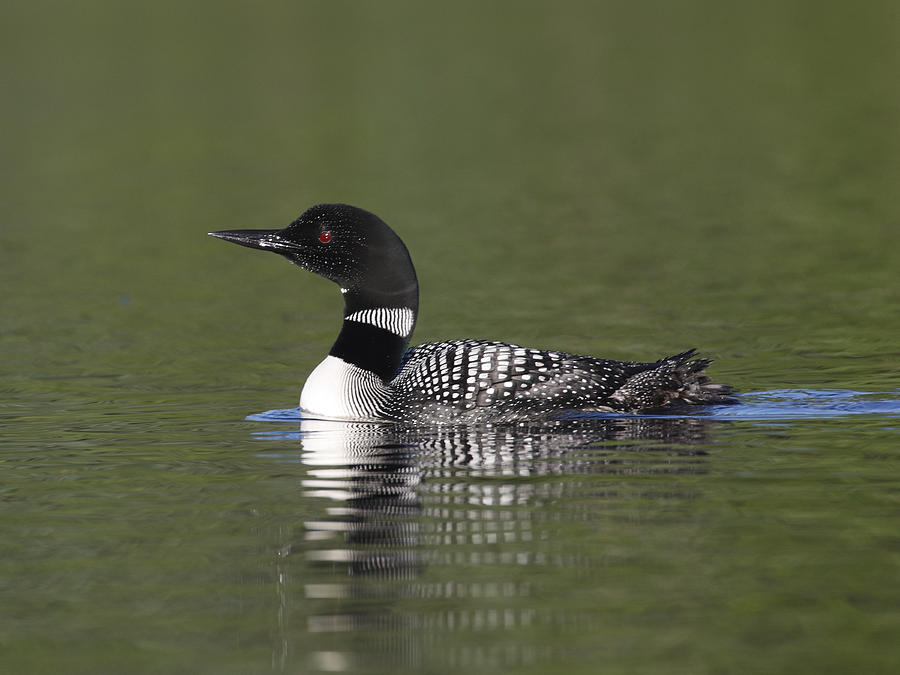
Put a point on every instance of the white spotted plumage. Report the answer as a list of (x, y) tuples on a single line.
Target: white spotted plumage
[(478, 380)]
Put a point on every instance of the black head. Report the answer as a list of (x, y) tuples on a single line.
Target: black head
[(350, 246)]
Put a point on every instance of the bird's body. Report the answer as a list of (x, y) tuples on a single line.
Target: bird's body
[(369, 374)]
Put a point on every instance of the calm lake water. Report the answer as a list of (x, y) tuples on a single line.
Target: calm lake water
[(621, 180)]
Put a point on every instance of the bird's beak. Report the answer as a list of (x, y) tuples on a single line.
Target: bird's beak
[(266, 240)]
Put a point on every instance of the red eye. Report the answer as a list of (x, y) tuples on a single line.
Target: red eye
[(325, 237)]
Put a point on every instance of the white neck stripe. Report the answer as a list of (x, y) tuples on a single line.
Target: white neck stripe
[(398, 321)]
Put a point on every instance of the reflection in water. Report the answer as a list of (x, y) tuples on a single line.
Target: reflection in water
[(430, 532), (439, 548)]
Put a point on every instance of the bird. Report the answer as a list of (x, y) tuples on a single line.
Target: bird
[(370, 374)]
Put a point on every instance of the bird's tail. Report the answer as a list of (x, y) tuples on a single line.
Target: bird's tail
[(675, 380)]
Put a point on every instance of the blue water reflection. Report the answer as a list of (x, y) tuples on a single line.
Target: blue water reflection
[(783, 404)]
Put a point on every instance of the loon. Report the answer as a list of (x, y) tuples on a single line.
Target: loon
[(370, 374)]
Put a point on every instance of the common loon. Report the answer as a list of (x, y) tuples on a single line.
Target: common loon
[(370, 375)]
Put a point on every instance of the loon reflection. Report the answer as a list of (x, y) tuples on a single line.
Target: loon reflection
[(458, 501), (395, 485)]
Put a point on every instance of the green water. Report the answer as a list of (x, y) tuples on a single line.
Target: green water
[(619, 179)]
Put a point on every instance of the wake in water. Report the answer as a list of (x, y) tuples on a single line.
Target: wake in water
[(777, 404)]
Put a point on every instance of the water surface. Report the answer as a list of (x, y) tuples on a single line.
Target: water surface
[(624, 180)]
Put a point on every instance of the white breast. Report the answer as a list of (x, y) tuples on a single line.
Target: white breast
[(339, 390)]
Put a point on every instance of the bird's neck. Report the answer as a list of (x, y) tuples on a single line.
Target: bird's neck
[(377, 328)]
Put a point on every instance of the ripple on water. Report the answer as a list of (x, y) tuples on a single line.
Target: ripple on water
[(785, 404)]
